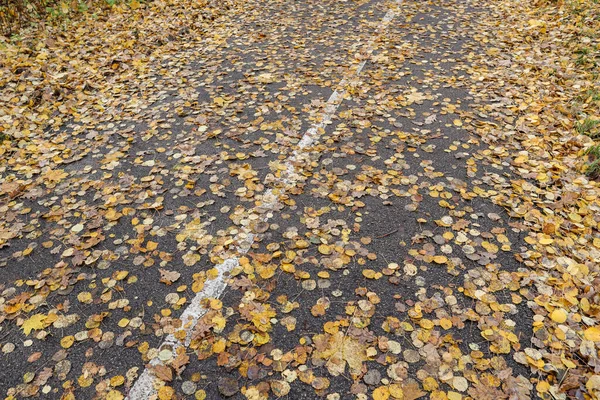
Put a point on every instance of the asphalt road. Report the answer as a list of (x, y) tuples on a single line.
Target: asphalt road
[(386, 231)]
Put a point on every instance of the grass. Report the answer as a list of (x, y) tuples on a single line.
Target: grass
[(590, 94), (593, 167), (17, 14), (579, 21), (586, 57), (587, 126), (594, 151)]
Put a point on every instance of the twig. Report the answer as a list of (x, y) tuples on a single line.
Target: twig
[(387, 234)]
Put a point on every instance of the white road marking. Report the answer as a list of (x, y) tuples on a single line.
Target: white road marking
[(144, 386)]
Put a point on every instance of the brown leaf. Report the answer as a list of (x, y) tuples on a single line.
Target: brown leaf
[(228, 386), (163, 373), (180, 362), (412, 391), (168, 277)]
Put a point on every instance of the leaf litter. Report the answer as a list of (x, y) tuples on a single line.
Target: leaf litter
[(478, 280)]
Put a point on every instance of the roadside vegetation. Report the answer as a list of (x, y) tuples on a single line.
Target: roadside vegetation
[(55, 55)]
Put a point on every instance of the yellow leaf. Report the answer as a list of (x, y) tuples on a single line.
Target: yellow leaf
[(64, 7), (28, 377), (575, 217), (426, 324), (200, 395), (538, 24), (34, 322), (266, 78), (197, 286), (212, 273), (543, 387), (568, 363), (219, 346), (440, 259), (340, 350), (135, 4), (584, 304), (77, 228), (266, 271), (114, 395), (121, 275), (85, 381), (445, 323), (166, 393), (85, 297), (430, 384), (559, 315), (289, 268), (215, 304), (381, 393), (324, 249), (67, 341), (261, 338), (117, 380), (454, 396), (593, 383), (396, 391), (66, 396), (370, 274), (592, 334)]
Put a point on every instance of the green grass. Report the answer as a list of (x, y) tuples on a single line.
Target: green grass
[(586, 56), (592, 94), (594, 151), (586, 126), (18, 14), (593, 167)]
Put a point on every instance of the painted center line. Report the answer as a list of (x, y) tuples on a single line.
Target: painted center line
[(144, 386)]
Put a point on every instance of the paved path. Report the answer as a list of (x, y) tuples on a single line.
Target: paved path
[(302, 207)]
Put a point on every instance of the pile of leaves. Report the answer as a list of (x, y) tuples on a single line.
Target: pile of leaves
[(15, 13), (17, 16), (51, 75), (576, 23), (316, 301), (546, 63)]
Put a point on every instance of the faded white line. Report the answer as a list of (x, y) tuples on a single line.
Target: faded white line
[(144, 386)]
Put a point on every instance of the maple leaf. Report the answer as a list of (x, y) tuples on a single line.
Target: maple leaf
[(35, 322), (412, 391), (168, 277), (518, 388), (415, 97), (430, 119), (55, 175), (481, 391), (180, 362), (163, 372), (341, 350)]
